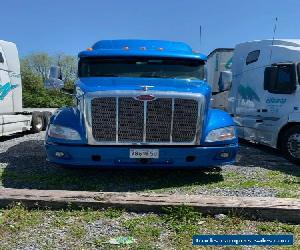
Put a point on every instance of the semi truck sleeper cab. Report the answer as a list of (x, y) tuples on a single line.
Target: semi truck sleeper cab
[(140, 103)]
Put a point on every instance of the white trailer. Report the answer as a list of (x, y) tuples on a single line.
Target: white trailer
[(12, 117), (265, 94), (219, 64)]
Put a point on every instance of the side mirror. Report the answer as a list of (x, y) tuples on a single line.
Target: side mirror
[(225, 81), (54, 80)]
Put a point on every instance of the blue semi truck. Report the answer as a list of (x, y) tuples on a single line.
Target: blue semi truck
[(140, 103)]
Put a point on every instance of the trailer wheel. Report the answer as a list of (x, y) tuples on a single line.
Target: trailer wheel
[(46, 116), (37, 122), (291, 144)]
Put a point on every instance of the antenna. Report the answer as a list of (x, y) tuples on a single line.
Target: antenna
[(274, 32), (200, 33)]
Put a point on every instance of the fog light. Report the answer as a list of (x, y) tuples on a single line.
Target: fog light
[(59, 154), (224, 155)]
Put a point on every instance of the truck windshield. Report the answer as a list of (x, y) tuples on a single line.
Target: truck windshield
[(141, 67)]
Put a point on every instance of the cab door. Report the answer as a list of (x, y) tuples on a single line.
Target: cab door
[(6, 99), (280, 85)]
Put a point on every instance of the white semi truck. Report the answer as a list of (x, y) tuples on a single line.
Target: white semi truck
[(13, 118), (219, 63), (264, 96)]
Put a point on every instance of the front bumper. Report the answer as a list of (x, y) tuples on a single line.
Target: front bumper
[(118, 156)]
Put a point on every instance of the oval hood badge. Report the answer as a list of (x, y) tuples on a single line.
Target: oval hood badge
[(145, 97)]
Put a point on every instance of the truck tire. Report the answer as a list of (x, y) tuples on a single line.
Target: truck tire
[(290, 145), (37, 122), (46, 116)]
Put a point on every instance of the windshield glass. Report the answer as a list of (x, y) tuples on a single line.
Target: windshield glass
[(141, 67)]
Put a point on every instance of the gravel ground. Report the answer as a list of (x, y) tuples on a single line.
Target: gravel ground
[(259, 171), (37, 229)]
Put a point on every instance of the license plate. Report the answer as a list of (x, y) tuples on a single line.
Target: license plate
[(144, 153)]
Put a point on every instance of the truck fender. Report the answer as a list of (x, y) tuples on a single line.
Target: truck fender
[(294, 117), (217, 119), (69, 117)]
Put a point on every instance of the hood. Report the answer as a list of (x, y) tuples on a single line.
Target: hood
[(93, 84)]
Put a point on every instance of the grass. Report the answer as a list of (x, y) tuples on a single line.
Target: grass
[(184, 181), (174, 228)]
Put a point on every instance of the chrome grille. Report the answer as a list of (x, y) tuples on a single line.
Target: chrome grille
[(131, 120), (104, 118), (126, 120), (159, 117), (185, 120)]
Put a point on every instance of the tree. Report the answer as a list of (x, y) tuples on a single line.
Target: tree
[(34, 93), (38, 63), (68, 66)]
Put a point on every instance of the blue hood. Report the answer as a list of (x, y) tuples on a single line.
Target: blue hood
[(93, 84)]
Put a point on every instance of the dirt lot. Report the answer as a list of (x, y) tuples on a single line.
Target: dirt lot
[(259, 171)]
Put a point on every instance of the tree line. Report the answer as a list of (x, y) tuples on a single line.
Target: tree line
[(34, 71)]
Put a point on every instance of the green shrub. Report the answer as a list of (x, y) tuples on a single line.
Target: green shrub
[(36, 96)]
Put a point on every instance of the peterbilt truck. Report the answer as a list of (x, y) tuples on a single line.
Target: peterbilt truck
[(140, 103), (13, 118)]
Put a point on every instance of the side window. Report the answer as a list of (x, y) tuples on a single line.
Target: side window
[(1, 58), (252, 56), (280, 79), (298, 71)]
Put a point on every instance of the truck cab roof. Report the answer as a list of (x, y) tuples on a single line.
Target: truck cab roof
[(147, 48)]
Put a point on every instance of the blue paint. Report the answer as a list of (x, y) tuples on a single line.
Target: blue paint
[(5, 89), (118, 156), (79, 153), (116, 48)]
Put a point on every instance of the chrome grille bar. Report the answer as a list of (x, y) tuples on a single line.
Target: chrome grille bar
[(169, 119)]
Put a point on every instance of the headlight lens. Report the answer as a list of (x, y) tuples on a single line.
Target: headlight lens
[(221, 134), (61, 132)]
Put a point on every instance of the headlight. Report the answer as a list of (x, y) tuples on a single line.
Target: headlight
[(221, 134), (61, 132)]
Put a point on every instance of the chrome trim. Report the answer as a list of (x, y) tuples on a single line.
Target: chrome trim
[(117, 119), (172, 120), (145, 121), (158, 94)]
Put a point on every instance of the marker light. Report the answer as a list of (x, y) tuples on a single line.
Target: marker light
[(126, 48), (160, 49), (89, 49)]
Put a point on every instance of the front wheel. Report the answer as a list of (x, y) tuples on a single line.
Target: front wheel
[(291, 144), (37, 122)]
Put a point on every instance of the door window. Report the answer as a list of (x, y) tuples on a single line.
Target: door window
[(280, 79), (1, 58)]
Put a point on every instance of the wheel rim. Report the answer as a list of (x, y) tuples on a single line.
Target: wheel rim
[(293, 145), (39, 123)]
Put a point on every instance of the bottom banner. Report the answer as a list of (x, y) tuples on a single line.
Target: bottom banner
[(243, 240)]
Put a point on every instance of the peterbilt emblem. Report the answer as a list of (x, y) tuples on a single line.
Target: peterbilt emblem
[(145, 97), (146, 88)]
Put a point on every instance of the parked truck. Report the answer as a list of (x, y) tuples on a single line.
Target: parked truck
[(219, 63), (140, 103), (264, 97), (13, 118)]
